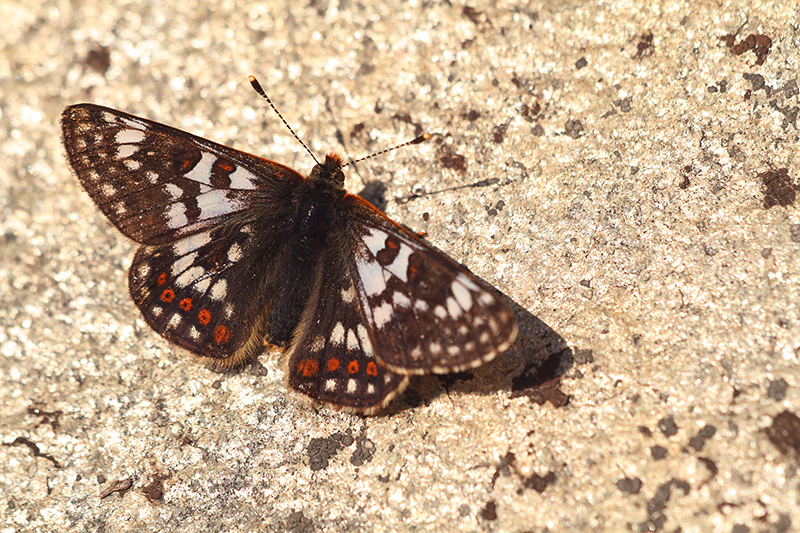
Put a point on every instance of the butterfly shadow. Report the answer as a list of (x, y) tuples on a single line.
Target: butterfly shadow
[(532, 367)]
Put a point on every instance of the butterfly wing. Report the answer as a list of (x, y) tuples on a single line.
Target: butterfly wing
[(216, 224), (211, 293), (331, 358), (424, 313), (157, 184)]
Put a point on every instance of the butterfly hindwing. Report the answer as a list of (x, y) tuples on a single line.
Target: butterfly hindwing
[(425, 313), (332, 358), (157, 184)]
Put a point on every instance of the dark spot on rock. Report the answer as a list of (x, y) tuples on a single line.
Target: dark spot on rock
[(784, 432), (777, 390), (629, 485), (489, 511), (667, 426)]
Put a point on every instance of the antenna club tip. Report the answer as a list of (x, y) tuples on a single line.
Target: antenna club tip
[(422, 138), (251, 78)]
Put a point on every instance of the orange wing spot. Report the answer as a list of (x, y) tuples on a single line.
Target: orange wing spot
[(226, 167), (186, 304), (222, 334), (372, 369), (393, 244), (162, 279), (185, 164), (333, 364), (204, 317), (307, 368), (168, 295), (352, 367)]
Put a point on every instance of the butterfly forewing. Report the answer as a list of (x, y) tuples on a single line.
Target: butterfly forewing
[(157, 184), (426, 313)]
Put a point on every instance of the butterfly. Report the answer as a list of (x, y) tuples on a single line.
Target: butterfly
[(239, 251)]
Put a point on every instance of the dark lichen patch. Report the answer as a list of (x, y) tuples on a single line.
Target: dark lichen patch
[(784, 432), (759, 43), (778, 187)]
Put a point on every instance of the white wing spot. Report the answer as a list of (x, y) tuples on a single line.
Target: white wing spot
[(387, 377), (352, 386), (375, 241), (453, 308), (202, 285), (193, 333), (370, 388), (119, 208), (453, 350), (462, 295), (366, 344), (486, 298), (348, 295), (130, 137), (144, 270), (132, 165), (183, 263), (401, 300), (352, 340), (372, 277), (440, 311), (176, 216), (134, 123), (463, 330), (464, 280), (382, 315), (219, 290), (189, 276), (422, 305), (242, 179), (234, 252), (317, 344), (190, 244), (202, 170), (126, 150), (330, 385), (156, 311), (228, 312), (174, 321), (494, 326), (399, 267), (108, 190), (337, 334), (416, 353), (216, 203), (108, 117), (435, 348), (173, 190), (484, 338), (152, 176)]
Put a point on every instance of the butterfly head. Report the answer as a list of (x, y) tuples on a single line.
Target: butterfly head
[(329, 172)]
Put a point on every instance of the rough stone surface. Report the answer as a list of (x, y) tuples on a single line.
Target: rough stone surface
[(626, 172)]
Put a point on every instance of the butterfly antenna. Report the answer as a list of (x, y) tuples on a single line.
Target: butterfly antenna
[(422, 138), (260, 91)]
